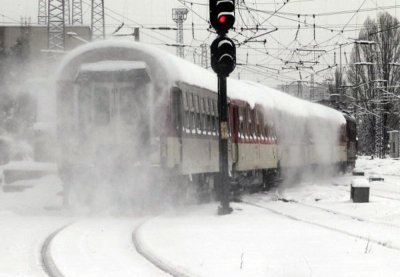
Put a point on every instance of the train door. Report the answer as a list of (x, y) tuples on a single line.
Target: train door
[(113, 104), (103, 132), (132, 118), (95, 121)]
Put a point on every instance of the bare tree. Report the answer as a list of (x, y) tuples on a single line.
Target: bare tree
[(373, 73)]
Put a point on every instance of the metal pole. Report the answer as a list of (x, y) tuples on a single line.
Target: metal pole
[(42, 12), (137, 33), (97, 21), (223, 147), (179, 15), (340, 71), (77, 18)]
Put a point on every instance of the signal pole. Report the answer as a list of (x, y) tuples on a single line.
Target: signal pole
[(223, 146), (179, 16), (223, 62)]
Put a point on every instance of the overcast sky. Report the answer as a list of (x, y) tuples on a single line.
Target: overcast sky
[(279, 44)]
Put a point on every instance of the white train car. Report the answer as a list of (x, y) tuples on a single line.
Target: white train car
[(132, 106)]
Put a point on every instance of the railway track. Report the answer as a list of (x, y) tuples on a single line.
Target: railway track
[(380, 236), (357, 218), (48, 262), (97, 247), (147, 254)]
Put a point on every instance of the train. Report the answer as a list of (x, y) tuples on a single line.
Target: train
[(130, 109)]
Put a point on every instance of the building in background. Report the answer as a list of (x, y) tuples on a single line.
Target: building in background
[(26, 87), (35, 39)]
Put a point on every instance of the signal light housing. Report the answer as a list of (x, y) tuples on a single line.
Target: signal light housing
[(223, 56), (222, 15)]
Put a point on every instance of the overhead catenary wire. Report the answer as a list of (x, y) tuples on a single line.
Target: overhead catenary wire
[(253, 23)]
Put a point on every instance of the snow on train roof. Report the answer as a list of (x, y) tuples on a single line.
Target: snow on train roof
[(112, 66), (174, 69)]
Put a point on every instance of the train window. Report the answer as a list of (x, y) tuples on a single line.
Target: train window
[(241, 124), (201, 104), (101, 106), (196, 103), (251, 123), (214, 125), (260, 123), (202, 114), (186, 121), (192, 118), (190, 101), (176, 114), (210, 116), (213, 130), (256, 125), (197, 112), (245, 123), (248, 122), (184, 112), (211, 107), (186, 115), (266, 134), (273, 131), (209, 124), (206, 115), (184, 100)]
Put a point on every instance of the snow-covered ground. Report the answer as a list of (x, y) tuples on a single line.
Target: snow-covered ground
[(82, 246), (310, 229)]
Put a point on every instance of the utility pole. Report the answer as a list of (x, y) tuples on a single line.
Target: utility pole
[(179, 15), (56, 26), (98, 22), (299, 89), (312, 90), (378, 119), (204, 55), (77, 18), (42, 12)]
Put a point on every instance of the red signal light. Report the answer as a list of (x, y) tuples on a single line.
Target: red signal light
[(222, 19)]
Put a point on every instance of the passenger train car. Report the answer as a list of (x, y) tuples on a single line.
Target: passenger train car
[(128, 107)]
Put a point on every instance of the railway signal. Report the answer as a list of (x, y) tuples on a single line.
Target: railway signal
[(223, 62), (222, 15), (223, 56)]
